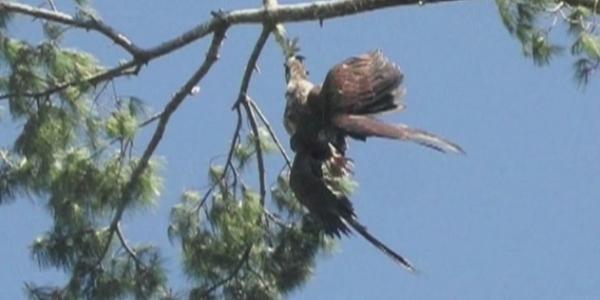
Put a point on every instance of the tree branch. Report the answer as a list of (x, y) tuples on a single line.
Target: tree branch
[(243, 100), (271, 15), (228, 162), (265, 121), (129, 68), (128, 249), (63, 18)]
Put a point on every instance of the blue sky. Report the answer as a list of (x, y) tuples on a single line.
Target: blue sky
[(516, 218)]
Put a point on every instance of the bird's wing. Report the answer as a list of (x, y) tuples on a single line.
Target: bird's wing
[(362, 230), (365, 84), (361, 127), (333, 211), (310, 188)]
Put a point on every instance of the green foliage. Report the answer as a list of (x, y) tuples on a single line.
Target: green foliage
[(5, 17), (532, 21), (521, 18), (243, 152), (121, 125), (284, 198), (76, 157), (233, 247)]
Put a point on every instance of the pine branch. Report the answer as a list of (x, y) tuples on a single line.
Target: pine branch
[(130, 68), (231, 275), (91, 23)]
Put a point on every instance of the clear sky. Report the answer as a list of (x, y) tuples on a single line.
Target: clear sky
[(516, 218)]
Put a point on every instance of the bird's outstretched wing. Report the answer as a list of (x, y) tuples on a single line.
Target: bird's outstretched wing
[(362, 127), (365, 84)]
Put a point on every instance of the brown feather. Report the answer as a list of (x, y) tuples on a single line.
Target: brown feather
[(334, 212), (362, 127), (365, 84)]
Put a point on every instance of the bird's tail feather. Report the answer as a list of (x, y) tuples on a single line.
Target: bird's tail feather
[(362, 230), (361, 127)]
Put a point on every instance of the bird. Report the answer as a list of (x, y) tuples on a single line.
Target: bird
[(353, 93), (319, 119)]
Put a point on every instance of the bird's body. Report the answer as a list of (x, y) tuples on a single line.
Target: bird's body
[(353, 93), (319, 118)]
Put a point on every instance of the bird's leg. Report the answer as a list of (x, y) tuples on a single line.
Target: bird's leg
[(338, 165)]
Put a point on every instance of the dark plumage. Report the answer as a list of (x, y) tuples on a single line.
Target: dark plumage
[(319, 119), (333, 211), (353, 92)]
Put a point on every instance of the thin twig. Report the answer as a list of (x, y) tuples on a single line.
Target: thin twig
[(52, 5), (276, 219), (265, 121), (5, 159), (231, 275), (228, 162), (138, 263), (243, 99), (151, 119)]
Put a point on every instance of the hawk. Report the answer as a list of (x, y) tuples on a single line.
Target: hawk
[(354, 91), (320, 118)]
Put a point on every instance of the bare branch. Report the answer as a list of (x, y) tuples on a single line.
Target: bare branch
[(265, 121), (52, 5), (273, 14), (318, 10), (150, 120), (63, 18), (228, 162), (128, 249), (243, 99)]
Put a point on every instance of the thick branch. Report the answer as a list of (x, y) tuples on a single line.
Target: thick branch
[(311, 11), (318, 10), (272, 15)]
